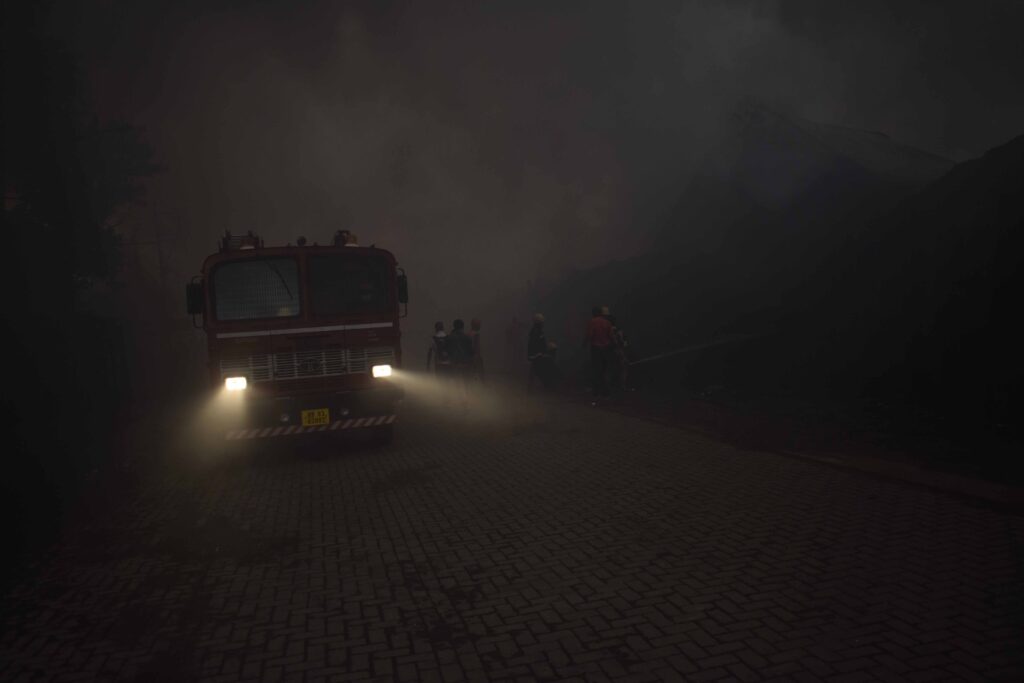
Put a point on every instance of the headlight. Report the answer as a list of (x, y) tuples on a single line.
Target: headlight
[(381, 370), (235, 383)]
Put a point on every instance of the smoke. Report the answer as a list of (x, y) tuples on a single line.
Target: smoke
[(494, 405), (491, 145)]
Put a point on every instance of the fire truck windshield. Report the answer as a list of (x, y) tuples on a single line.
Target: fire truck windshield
[(344, 284), (255, 289)]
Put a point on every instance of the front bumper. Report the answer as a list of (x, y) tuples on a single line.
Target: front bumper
[(372, 421), (346, 409)]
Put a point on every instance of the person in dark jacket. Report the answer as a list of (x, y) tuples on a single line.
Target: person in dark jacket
[(541, 354), (619, 380), (438, 350), (460, 351), (478, 359)]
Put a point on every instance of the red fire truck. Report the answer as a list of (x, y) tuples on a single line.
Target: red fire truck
[(304, 338)]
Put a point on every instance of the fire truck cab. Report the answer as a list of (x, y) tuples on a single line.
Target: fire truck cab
[(304, 338)]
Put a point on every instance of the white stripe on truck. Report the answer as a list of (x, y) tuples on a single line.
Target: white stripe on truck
[(302, 330)]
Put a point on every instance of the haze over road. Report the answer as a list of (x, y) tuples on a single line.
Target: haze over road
[(537, 540)]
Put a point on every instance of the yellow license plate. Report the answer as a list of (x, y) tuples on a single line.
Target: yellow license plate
[(316, 417)]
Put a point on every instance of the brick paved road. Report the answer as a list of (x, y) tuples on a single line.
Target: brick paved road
[(568, 543)]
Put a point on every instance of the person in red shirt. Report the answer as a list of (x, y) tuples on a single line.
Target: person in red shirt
[(599, 338)]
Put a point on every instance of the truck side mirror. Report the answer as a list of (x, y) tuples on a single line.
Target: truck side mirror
[(403, 289), (194, 298)]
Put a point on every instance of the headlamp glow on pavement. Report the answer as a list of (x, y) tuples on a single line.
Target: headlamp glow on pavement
[(381, 370), (235, 383)]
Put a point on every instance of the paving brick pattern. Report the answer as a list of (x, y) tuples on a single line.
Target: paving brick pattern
[(564, 544)]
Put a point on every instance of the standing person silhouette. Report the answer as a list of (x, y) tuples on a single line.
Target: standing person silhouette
[(540, 353), (460, 350), (438, 351), (478, 359), (620, 346), (599, 339), (617, 363)]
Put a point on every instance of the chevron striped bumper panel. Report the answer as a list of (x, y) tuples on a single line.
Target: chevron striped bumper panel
[(291, 430)]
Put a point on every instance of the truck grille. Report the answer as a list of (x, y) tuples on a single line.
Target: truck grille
[(267, 367)]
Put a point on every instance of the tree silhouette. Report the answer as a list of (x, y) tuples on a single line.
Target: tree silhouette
[(67, 176)]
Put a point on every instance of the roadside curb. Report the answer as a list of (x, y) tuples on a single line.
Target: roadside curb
[(1003, 497), (1006, 498)]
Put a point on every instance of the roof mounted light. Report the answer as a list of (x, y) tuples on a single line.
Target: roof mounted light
[(231, 242), (345, 238)]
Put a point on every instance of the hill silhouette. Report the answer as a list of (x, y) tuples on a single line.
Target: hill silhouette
[(872, 268), (930, 293)]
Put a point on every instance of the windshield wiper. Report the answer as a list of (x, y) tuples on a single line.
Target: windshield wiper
[(268, 264)]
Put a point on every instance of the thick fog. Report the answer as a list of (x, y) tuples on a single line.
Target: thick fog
[(489, 145)]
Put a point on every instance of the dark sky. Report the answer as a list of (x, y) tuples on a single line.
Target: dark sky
[(477, 140)]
